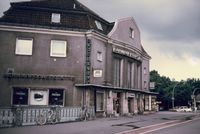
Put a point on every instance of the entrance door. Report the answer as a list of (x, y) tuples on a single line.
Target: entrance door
[(131, 105), (116, 102)]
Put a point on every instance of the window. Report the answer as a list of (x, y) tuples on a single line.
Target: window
[(55, 18), (146, 102), (99, 56), (58, 48), (56, 97), (98, 24), (145, 84), (99, 101), (24, 46), (117, 72), (130, 75), (131, 33), (145, 70), (74, 6), (20, 96)]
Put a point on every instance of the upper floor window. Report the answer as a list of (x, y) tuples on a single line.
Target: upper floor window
[(145, 70), (145, 84), (98, 24), (118, 64), (130, 75), (55, 18), (24, 46), (58, 48), (131, 33), (99, 56)]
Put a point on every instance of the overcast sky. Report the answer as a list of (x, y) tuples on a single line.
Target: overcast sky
[(170, 31)]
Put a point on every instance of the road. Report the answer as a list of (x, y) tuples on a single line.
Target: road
[(102, 125), (190, 127)]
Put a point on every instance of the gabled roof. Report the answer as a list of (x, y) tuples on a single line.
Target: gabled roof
[(74, 15)]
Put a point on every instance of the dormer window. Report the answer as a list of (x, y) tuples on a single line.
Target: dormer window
[(131, 33), (74, 6), (98, 24), (55, 18)]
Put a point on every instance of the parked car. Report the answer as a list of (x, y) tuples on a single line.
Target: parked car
[(184, 109)]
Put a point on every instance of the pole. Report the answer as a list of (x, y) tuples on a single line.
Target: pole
[(173, 96), (194, 98)]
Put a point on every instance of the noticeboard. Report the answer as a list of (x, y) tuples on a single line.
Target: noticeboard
[(20, 96)]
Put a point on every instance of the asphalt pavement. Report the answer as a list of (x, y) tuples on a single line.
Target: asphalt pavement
[(108, 125)]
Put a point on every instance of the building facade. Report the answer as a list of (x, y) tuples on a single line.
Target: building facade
[(59, 52)]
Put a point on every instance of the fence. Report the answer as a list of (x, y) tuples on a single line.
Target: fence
[(22, 116)]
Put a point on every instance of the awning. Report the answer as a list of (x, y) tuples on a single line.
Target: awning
[(114, 88)]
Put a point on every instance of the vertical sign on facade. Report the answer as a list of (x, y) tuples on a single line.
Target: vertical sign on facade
[(88, 62)]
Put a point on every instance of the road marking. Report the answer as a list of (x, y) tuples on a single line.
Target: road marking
[(124, 132), (184, 122), (144, 130)]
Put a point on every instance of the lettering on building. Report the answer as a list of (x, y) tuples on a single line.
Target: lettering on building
[(88, 62), (128, 53)]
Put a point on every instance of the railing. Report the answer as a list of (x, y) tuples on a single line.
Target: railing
[(22, 116)]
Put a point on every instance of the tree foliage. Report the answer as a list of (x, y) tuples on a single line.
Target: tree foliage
[(182, 90)]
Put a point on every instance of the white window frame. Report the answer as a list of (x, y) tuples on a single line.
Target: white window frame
[(53, 52), (21, 49), (131, 33), (99, 56), (55, 18), (98, 24)]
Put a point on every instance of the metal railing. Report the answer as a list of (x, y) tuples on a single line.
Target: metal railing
[(22, 116)]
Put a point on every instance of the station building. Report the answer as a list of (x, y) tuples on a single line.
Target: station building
[(59, 52)]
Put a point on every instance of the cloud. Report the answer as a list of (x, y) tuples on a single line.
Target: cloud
[(163, 19), (5, 4)]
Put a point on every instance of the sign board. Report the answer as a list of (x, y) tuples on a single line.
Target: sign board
[(97, 73), (56, 96), (131, 95), (38, 97), (20, 96), (152, 85), (128, 53)]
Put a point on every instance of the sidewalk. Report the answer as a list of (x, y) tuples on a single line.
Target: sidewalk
[(100, 126)]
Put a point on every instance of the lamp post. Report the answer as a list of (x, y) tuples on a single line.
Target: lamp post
[(193, 97), (173, 95)]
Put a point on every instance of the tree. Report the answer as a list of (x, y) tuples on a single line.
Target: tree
[(162, 85), (182, 91)]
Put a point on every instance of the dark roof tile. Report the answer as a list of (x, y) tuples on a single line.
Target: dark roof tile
[(38, 13)]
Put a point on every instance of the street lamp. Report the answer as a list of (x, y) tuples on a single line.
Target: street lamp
[(173, 95), (193, 97)]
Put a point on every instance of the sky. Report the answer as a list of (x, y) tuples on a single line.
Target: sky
[(170, 31)]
